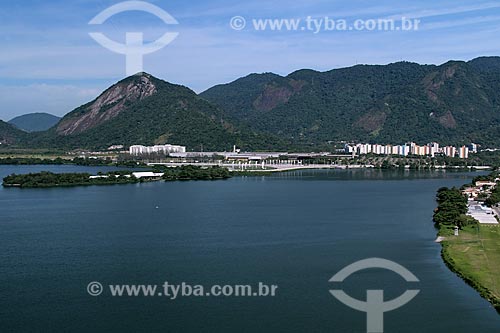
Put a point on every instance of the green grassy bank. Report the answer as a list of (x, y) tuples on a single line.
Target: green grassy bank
[(474, 255)]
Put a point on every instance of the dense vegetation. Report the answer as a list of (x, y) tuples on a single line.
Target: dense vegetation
[(491, 158), (452, 207), (456, 103), (81, 161), (190, 172), (49, 179), (494, 198), (10, 135)]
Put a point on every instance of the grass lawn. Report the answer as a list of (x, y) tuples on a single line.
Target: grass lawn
[(475, 256)]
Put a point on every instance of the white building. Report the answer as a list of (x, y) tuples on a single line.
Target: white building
[(483, 214), (413, 148), (364, 149), (395, 150), (464, 152), (450, 151), (434, 148), (146, 175), (348, 149), (403, 150), (158, 149), (378, 149), (430, 149)]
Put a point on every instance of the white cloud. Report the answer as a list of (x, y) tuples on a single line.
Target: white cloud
[(208, 52), (460, 22), (448, 10)]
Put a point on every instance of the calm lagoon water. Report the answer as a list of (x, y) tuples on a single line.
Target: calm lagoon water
[(295, 230)]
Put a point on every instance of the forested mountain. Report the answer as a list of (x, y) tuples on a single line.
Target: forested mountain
[(142, 109), (455, 103), (34, 122), (9, 134)]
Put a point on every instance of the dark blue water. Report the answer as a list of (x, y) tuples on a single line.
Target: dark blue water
[(294, 230)]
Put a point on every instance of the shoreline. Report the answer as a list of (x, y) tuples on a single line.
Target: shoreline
[(455, 268), (470, 243), (413, 163)]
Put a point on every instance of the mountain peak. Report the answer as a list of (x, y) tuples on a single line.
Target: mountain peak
[(109, 104), (139, 75)]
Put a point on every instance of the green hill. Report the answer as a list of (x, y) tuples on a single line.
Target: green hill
[(455, 103), (142, 109), (35, 122), (10, 135)]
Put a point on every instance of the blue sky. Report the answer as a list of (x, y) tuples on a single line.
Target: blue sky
[(49, 63)]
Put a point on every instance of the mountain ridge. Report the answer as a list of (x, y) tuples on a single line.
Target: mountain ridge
[(454, 103), (142, 109)]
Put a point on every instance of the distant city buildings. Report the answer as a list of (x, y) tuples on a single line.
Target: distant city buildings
[(159, 149), (431, 149), (408, 149)]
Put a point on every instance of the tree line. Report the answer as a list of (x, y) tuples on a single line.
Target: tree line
[(49, 179), (452, 207)]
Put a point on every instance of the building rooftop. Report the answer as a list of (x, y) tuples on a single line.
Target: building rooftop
[(481, 213)]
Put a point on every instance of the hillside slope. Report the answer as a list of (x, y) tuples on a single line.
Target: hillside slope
[(10, 135), (142, 109), (455, 103)]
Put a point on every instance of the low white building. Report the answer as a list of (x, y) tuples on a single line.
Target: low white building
[(149, 175), (158, 149), (481, 183), (481, 213)]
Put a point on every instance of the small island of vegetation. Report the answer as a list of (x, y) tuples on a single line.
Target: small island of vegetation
[(48, 179), (80, 161)]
